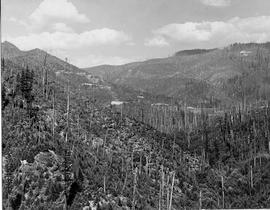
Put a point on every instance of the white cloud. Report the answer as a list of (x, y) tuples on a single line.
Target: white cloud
[(12, 19), (62, 27), (15, 20), (131, 43), (218, 33), (158, 41), (56, 10), (70, 40), (217, 3)]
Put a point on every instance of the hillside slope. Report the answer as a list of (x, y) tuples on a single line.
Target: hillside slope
[(183, 73), (40, 61), (8, 50), (50, 70)]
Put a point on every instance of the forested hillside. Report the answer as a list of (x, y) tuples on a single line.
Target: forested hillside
[(65, 148), (227, 75)]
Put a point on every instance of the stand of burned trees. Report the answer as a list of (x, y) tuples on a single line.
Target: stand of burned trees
[(236, 133)]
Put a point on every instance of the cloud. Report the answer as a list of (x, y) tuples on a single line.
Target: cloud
[(158, 41), (70, 40), (12, 19), (56, 10), (131, 43), (216, 3), (15, 20), (95, 60), (61, 27), (217, 33)]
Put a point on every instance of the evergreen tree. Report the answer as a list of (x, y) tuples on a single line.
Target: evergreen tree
[(25, 87), (5, 100), (2, 64)]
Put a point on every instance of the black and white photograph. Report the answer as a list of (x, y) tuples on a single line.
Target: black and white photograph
[(135, 104)]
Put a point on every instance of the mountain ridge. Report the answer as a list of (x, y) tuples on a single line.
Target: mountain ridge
[(196, 75), (9, 50), (36, 54), (193, 52), (40, 60), (211, 67)]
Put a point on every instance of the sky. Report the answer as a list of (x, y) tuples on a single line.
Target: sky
[(96, 32)]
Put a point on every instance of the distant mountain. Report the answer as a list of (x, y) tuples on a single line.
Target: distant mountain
[(199, 74), (38, 60), (193, 52), (9, 50), (35, 57), (59, 73)]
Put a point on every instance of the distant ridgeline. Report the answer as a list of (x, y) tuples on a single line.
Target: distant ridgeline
[(234, 74), (193, 52)]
